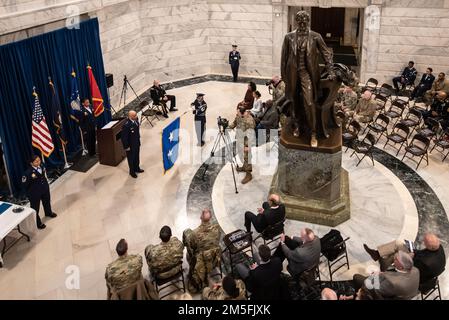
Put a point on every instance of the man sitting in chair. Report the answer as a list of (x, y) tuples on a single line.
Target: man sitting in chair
[(302, 253), (160, 97), (165, 259), (203, 251), (438, 110), (271, 213), (407, 77)]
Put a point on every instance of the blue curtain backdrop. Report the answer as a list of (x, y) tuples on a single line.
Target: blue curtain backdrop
[(29, 63)]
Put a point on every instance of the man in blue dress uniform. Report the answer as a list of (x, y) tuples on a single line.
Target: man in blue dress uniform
[(234, 61), (131, 143), (37, 189), (88, 125), (199, 110)]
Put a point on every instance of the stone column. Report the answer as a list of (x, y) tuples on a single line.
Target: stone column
[(280, 25), (370, 47)]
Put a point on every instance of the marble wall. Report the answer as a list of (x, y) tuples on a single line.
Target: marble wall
[(172, 40)]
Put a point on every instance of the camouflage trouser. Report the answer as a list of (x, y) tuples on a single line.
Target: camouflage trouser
[(201, 263), (247, 167)]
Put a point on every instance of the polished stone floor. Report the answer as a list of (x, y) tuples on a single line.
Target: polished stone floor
[(97, 208)]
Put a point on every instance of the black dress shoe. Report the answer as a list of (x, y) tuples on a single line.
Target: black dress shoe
[(140, 171), (203, 143), (133, 175), (373, 253), (165, 115), (173, 110), (52, 215), (41, 226)]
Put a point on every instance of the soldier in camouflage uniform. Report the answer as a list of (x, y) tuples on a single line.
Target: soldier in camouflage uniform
[(125, 271), (245, 136), (228, 289), (203, 251), (165, 259)]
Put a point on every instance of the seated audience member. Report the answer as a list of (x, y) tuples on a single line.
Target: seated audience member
[(348, 100), (203, 251), (263, 278), (269, 119), (424, 85), (438, 110), (248, 101), (165, 259), (366, 108), (430, 261), (228, 289), (277, 89), (160, 97), (123, 272), (271, 213), (400, 283), (441, 84), (363, 294), (257, 109), (328, 294), (180, 296), (408, 76), (302, 253)]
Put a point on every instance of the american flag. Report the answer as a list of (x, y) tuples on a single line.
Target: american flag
[(40, 136)]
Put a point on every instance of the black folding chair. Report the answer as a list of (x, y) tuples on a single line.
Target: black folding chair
[(271, 233), (379, 126), (442, 144), (381, 102), (427, 289), (418, 147), (351, 133), (371, 85), (341, 259), (164, 283), (412, 120), (396, 110), (399, 134), (364, 148), (386, 91)]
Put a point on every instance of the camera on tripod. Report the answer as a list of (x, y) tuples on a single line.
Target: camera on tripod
[(223, 123)]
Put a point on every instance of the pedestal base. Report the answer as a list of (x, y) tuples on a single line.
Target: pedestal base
[(323, 212)]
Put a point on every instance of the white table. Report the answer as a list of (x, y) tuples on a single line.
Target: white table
[(24, 222)]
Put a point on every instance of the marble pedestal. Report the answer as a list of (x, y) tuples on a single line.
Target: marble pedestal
[(311, 182)]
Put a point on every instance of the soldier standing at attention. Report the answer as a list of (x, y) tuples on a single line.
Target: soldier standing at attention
[(124, 271), (37, 189), (234, 61), (87, 124), (131, 143), (165, 259), (199, 110), (245, 137)]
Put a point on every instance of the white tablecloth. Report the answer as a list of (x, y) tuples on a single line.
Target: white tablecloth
[(10, 220)]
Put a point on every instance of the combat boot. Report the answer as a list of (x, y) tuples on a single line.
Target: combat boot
[(248, 178), (239, 169)]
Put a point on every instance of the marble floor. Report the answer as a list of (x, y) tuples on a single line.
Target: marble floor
[(97, 208)]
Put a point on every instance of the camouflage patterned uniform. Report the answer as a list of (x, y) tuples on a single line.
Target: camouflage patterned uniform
[(245, 136), (123, 272), (165, 259), (203, 253), (218, 293), (365, 110), (278, 92), (349, 102)]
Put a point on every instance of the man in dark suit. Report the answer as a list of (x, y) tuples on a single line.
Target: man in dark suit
[(271, 213), (425, 84), (234, 61), (263, 278), (302, 253), (87, 124), (408, 76), (268, 121), (160, 97), (131, 143), (199, 107), (37, 189)]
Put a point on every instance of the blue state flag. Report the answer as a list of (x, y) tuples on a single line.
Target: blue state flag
[(170, 144)]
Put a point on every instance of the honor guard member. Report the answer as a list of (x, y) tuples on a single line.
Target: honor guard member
[(131, 143), (199, 110), (37, 189), (234, 61), (87, 124)]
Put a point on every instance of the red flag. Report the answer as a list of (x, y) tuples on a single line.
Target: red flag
[(97, 99)]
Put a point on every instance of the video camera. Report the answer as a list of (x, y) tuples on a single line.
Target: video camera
[(269, 83), (223, 123)]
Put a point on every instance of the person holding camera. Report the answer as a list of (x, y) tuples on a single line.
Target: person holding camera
[(276, 87), (199, 107), (245, 135)]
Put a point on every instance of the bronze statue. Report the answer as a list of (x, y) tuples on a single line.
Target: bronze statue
[(309, 95)]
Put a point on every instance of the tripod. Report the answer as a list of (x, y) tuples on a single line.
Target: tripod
[(124, 91), (227, 152)]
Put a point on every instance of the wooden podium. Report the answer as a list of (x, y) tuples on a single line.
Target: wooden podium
[(110, 148)]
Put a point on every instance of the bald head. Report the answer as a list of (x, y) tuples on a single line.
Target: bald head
[(274, 200), (328, 294), (431, 242), (442, 95), (206, 215), (156, 82), (367, 95), (132, 115), (307, 235)]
